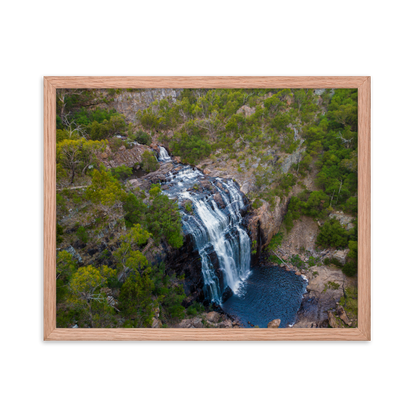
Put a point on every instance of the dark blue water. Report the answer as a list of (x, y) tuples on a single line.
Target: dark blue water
[(269, 293)]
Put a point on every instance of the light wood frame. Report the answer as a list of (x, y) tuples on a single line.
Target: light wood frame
[(362, 333)]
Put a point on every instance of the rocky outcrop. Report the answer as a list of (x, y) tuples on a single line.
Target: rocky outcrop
[(345, 220), (74, 254), (128, 157), (326, 286), (343, 315), (265, 222), (341, 256), (302, 236), (320, 91), (292, 159), (340, 313), (158, 176), (129, 102), (209, 320)]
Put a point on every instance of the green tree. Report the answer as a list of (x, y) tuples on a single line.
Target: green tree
[(106, 192), (163, 218), (332, 234), (143, 138), (65, 265), (82, 234), (148, 119), (121, 172), (77, 154), (129, 257), (85, 285), (351, 266), (149, 162), (135, 299), (134, 209)]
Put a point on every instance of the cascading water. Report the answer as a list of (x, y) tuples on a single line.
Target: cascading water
[(163, 155), (211, 214), (217, 231)]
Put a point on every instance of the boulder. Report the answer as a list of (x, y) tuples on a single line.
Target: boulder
[(213, 317), (332, 320), (343, 316), (226, 324), (246, 187), (134, 183), (274, 324), (341, 256), (197, 323)]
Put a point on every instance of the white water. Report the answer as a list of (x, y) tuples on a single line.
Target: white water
[(215, 230), (163, 155)]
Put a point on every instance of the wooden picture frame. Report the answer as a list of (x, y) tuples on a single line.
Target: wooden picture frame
[(362, 333)]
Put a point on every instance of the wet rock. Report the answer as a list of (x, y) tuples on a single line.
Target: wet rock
[(219, 201), (227, 294)]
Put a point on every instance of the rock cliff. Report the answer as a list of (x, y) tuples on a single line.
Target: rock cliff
[(129, 102)]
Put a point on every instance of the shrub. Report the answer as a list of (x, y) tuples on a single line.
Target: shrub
[(191, 149), (297, 262), (350, 268), (332, 234), (143, 138), (275, 259), (121, 172), (135, 210), (59, 233), (275, 241), (195, 309), (82, 234), (257, 203), (163, 218), (149, 162)]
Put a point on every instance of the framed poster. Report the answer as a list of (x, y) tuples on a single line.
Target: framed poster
[(207, 208)]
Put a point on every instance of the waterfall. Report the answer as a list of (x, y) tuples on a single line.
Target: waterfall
[(163, 155), (217, 231)]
